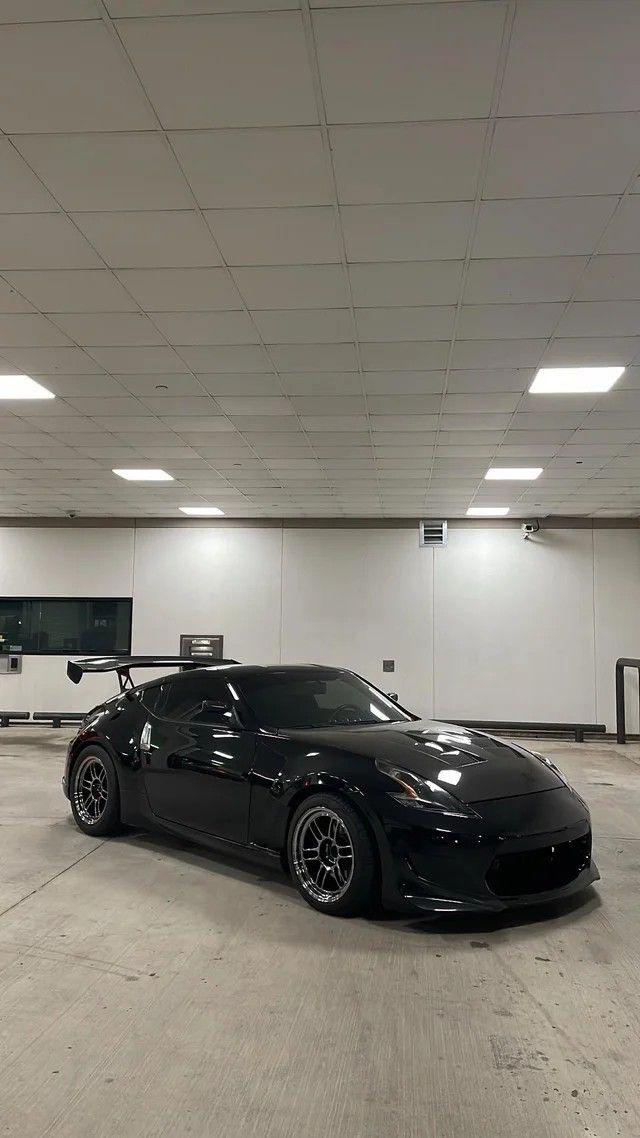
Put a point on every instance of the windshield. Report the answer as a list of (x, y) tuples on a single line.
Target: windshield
[(317, 698)]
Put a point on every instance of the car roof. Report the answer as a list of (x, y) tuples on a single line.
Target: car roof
[(229, 670)]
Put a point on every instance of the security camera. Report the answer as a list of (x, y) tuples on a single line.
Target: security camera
[(71, 513), (528, 528)]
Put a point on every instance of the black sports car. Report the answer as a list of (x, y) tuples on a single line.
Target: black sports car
[(314, 768)]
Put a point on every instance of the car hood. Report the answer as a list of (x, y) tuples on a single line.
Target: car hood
[(472, 766)]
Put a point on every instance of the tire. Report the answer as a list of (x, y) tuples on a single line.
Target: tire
[(332, 856), (94, 793)]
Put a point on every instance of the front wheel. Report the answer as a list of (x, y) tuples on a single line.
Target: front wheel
[(95, 799), (332, 857)]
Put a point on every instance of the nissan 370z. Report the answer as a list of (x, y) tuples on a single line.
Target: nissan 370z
[(361, 802)]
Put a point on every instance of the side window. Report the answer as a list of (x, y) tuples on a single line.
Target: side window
[(185, 697), (149, 698)]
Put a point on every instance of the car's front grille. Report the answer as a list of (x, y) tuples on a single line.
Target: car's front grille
[(539, 871)]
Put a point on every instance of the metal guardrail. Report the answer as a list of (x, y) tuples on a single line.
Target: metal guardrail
[(578, 730), (9, 717), (57, 718), (621, 723)]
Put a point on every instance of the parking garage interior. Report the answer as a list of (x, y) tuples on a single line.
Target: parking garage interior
[(319, 345)]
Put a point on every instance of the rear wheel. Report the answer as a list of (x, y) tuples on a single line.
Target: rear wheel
[(95, 799), (332, 857)]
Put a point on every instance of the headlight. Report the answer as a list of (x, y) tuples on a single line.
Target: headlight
[(413, 790)]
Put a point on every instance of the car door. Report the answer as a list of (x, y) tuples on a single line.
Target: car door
[(196, 758)]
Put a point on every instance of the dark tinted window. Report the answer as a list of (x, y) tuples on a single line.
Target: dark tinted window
[(182, 697), (60, 626), (316, 698)]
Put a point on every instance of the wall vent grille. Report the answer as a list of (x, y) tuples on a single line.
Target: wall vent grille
[(433, 533)]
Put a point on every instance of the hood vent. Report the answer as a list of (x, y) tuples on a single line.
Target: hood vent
[(433, 533)]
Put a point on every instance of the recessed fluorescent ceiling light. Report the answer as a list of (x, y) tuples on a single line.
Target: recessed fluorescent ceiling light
[(487, 511), (22, 387), (144, 475), (573, 380), (513, 473), (201, 511)]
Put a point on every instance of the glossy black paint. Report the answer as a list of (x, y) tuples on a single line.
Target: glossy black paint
[(235, 784)]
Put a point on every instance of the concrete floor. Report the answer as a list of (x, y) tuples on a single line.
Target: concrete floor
[(150, 989)]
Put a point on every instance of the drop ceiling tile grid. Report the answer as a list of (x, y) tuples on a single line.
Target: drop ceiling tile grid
[(289, 260)]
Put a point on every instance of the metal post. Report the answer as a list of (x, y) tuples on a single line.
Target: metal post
[(621, 732)]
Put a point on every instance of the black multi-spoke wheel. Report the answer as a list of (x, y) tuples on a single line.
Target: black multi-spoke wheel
[(95, 801), (331, 856)]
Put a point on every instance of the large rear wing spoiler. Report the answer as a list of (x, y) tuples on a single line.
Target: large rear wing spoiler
[(76, 669)]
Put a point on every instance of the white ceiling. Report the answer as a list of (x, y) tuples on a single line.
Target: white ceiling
[(308, 257)]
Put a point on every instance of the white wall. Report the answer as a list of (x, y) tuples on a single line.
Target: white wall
[(491, 626), (356, 597)]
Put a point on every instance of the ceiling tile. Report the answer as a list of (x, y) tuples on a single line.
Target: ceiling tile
[(29, 331), (407, 162), (383, 65), (293, 286), (196, 405), (95, 407), (160, 385), (10, 298), (403, 382), (597, 350), (254, 405), (408, 422), (497, 379), (313, 326), (237, 384), (404, 404), (67, 76), (329, 405), (322, 383), (180, 290), (276, 236), (541, 227), (482, 354), (20, 189), (391, 324), (225, 358), (461, 404), (590, 63), (96, 386), (437, 230), (137, 359), (562, 155), (335, 422), (50, 361), (151, 239), (407, 283), (43, 241), (188, 7), (72, 290), (110, 328), (311, 357), (601, 318), (611, 278), (107, 171), (516, 280), (25, 11), (229, 70), (623, 235), (206, 327), (409, 356), (508, 321), (239, 168)]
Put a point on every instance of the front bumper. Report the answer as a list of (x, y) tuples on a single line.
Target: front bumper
[(521, 851)]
